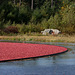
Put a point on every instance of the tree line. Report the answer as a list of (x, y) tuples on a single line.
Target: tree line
[(36, 15)]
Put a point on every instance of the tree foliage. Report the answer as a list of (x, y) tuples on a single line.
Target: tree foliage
[(46, 13)]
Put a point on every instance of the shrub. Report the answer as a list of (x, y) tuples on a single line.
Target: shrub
[(51, 22), (45, 24), (22, 28), (11, 29)]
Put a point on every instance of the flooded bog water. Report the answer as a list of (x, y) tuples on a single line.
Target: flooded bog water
[(62, 64)]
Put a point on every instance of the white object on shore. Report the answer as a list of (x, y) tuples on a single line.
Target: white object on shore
[(51, 31)]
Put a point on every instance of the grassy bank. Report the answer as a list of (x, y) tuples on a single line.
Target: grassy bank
[(50, 38)]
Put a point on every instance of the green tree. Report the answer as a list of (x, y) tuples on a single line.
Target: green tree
[(68, 19), (24, 14), (2, 19), (36, 16), (46, 9)]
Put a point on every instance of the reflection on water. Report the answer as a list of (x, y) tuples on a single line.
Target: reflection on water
[(62, 64)]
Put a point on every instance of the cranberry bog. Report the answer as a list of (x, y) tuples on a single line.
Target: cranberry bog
[(15, 51)]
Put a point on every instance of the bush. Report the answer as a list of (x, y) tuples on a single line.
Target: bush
[(45, 24), (11, 29), (29, 28), (33, 28), (54, 22)]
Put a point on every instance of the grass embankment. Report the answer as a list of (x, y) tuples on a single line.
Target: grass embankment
[(50, 38)]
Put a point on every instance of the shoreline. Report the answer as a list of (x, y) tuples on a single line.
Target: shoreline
[(50, 38)]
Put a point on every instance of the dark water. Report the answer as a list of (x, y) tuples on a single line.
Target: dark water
[(62, 64)]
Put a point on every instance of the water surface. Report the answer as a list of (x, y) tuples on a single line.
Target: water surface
[(62, 64)]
